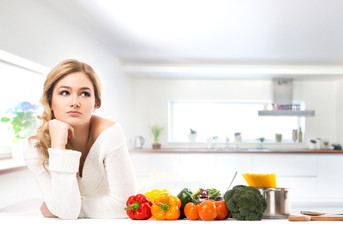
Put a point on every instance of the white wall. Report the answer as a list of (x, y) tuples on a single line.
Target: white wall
[(152, 97), (339, 111), (37, 31), (320, 95)]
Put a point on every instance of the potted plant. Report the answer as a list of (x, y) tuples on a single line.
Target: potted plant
[(192, 136), (23, 123), (215, 140), (156, 130), (211, 141)]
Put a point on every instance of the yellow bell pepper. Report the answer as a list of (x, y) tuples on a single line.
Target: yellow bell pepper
[(154, 193), (166, 207)]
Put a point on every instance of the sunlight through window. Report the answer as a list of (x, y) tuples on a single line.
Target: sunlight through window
[(225, 118)]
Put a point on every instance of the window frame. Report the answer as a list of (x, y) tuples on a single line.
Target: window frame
[(25, 64), (301, 120)]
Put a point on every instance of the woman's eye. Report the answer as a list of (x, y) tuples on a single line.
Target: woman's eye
[(85, 94), (64, 93)]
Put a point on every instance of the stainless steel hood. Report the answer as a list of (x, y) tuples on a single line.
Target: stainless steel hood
[(283, 101)]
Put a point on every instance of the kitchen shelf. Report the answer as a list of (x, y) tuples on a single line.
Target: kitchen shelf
[(296, 113)]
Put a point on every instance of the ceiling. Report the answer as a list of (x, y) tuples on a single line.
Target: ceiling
[(205, 33)]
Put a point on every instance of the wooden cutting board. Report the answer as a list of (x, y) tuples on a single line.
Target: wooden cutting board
[(324, 217)]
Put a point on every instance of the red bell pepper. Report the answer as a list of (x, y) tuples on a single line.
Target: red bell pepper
[(138, 207)]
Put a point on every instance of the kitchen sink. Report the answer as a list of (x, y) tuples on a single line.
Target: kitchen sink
[(258, 150)]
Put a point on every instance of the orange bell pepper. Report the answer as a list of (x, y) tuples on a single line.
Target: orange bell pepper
[(166, 207)]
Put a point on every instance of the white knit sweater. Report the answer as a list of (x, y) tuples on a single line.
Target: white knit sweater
[(108, 178)]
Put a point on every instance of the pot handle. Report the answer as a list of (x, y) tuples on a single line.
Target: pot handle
[(286, 194)]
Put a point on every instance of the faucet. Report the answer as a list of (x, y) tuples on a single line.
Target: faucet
[(260, 142)]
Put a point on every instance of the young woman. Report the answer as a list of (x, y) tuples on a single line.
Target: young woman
[(80, 161)]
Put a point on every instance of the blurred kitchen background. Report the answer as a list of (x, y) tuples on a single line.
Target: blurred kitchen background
[(209, 66)]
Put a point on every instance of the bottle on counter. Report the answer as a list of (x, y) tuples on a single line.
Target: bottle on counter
[(238, 139), (300, 135), (294, 135), (227, 143)]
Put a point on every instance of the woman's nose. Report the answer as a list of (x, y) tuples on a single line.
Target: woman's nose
[(75, 102)]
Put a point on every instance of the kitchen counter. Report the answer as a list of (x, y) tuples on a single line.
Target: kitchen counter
[(37, 227), (8, 165), (228, 151)]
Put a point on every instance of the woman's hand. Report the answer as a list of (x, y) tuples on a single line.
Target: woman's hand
[(59, 133), (45, 211)]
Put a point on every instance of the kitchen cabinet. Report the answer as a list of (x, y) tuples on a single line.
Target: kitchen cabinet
[(330, 178), (312, 178)]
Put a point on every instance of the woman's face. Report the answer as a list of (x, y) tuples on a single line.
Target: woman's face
[(73, 99)]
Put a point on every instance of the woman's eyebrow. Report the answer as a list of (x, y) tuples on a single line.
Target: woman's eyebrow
[(86, 88), (64, 87), (83, 88)]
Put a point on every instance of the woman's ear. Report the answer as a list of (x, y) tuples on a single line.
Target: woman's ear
[(95, 106)]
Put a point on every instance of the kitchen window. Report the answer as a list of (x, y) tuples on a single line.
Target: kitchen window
[(21, 85), (222, 119)]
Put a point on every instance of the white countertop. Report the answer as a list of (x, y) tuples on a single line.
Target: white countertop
[(37, 227)]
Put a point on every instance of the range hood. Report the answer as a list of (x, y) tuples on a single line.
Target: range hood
[(283, 101)]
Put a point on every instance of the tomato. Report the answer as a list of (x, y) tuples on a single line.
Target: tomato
[(222, 211), (207, 210), (191, 211)]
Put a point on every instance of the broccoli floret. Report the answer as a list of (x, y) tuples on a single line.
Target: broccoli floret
[(245, 203)]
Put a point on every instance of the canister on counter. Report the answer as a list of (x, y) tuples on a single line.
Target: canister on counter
[(312, 144)]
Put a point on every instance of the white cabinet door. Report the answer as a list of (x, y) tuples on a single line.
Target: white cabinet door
[(227, 165), (330, 177), (287, 165)]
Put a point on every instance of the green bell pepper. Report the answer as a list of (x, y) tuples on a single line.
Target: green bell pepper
[(186, 196)]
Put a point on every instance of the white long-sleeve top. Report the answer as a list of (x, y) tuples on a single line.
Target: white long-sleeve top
[(108, 178)]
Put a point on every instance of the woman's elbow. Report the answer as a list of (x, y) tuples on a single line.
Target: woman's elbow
[(68, 214)]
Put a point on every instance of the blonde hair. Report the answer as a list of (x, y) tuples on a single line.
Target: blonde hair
[(57, 73)]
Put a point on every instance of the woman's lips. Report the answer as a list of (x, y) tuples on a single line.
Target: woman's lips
[(74, 113)]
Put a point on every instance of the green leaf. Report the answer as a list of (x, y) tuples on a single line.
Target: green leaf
[(5, 119)]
